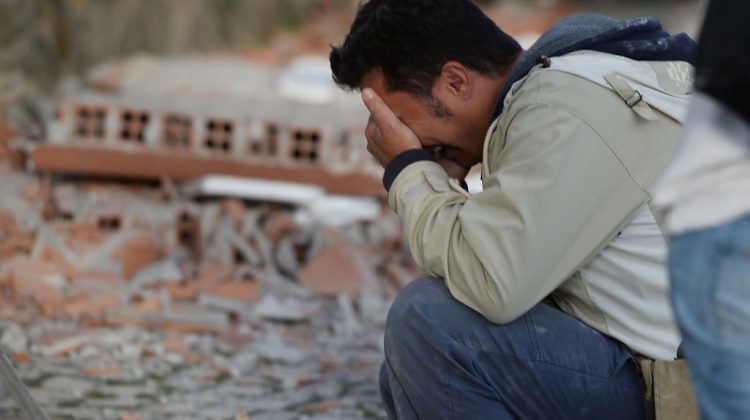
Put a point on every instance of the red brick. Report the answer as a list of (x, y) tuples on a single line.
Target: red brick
[(59, 343), (6, 153), (235, 209), (321, 407), (99, 277), (234, 339), (328, 363), (280, 225), (16, 243), (101, 371), (28, 274), (22, 357), (55, 257), (208, 276), (215, 373), (175, 344), (7, 222), (337, 269), (151, 304), (49, 203), (136, 254), (238, 289), (39, 281), (92, 306), (31, 192), (146, 164), (78, 235)]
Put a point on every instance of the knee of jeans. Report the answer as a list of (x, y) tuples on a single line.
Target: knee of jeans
[(416, 311)]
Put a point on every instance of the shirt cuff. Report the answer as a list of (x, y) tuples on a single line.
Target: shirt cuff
[(402, 161)]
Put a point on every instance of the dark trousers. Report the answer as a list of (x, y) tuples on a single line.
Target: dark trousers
[(446, 361)]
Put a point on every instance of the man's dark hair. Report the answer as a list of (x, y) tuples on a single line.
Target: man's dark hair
[(411, 40)]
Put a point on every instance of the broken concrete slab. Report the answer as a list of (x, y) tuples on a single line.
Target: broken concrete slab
[(146, 165), (13, 338), (207, 277), (72, 386), (182, 317), (167, 270), (254, 189), (244, 250), (49, 246), (278, 351), (59, 343), (338, 210), (286, 257), (98, 253), (350, 323), (290, 377), (289, 309)]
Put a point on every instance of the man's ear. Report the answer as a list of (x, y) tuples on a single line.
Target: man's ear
[(455, 79)]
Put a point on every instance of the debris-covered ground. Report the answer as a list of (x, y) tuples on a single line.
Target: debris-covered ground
[(132, 302)]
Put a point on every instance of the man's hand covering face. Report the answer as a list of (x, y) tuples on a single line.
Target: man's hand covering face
[(387, 136)]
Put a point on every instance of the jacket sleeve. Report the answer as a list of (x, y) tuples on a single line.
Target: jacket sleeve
[(554, 196)]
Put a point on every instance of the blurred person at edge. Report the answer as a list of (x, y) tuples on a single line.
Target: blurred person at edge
[(545, 283), (706, 199)]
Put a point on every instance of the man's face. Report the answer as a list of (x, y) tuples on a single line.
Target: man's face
[(449, 137)]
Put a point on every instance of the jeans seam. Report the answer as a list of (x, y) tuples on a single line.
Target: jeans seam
[(637, 388), (449, 391), (518, 359), (390, 367), (531, 330)]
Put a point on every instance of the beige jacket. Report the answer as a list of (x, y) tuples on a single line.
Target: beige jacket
[(566, 167)]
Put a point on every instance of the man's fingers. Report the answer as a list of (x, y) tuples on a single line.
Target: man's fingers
[(386, 135), (379, 111), (372, 131)]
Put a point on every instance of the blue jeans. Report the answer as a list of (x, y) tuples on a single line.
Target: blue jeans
[(710, 273), (445, 361)]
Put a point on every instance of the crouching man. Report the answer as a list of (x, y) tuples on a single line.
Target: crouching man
[(547, 283)]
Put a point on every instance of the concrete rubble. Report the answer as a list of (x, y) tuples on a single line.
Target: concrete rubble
[(134, 301)]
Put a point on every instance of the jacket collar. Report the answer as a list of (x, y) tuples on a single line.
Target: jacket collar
[(639, 39)]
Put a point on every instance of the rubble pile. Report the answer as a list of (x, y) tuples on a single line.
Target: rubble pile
[(132, 302)]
